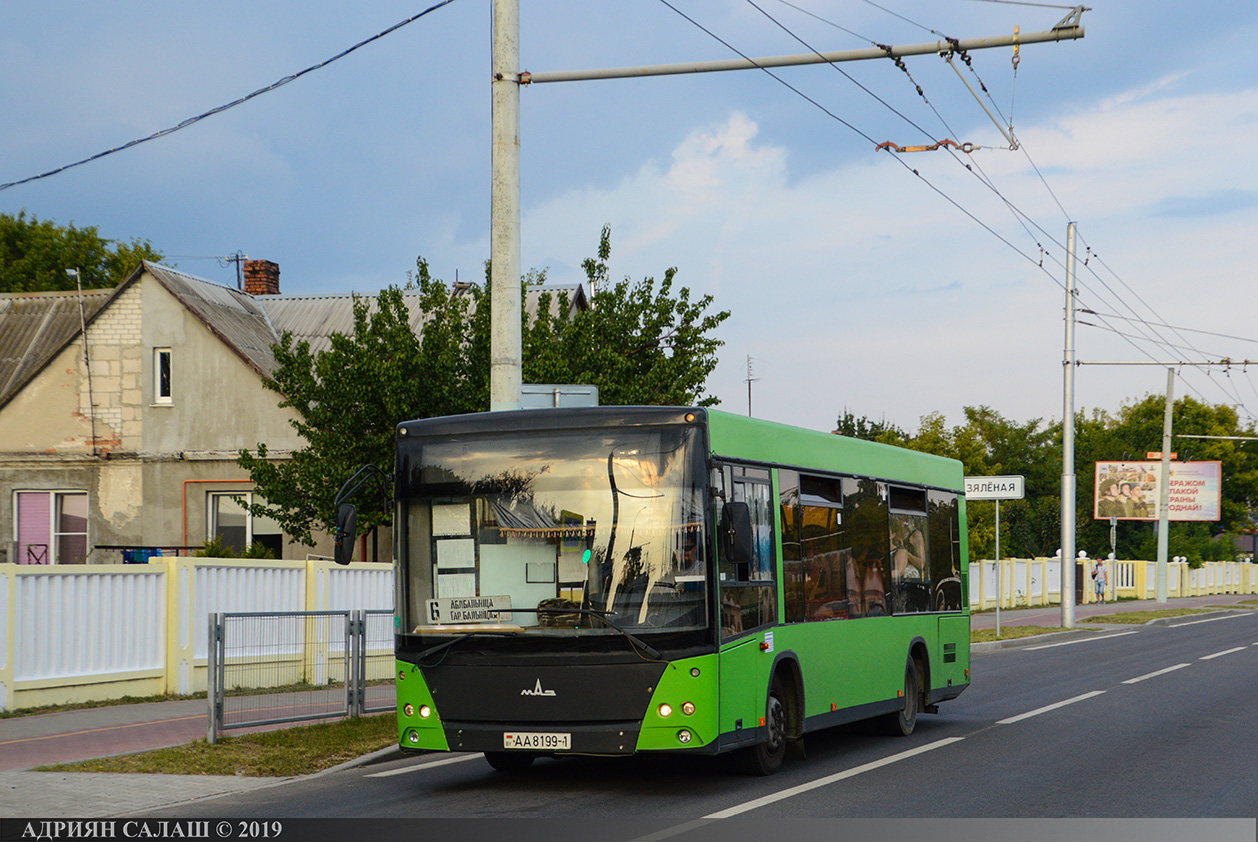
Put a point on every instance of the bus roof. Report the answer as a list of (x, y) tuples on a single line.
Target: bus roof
[(752, 439), (731, 436)]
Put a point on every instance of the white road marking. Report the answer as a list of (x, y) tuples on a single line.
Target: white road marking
[(829, 779), (1156, 674), (1221, 654), (1209, 620), (1080, 640), (421, 767), (1047, 708)]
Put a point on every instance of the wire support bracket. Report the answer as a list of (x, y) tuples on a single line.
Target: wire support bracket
[(963, 147)]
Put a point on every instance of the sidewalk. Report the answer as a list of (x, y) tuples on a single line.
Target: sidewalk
[(28, 741), (1050, 615)]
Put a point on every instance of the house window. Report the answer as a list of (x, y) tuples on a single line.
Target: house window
[(51, 527), (231, 523), (161, 376)]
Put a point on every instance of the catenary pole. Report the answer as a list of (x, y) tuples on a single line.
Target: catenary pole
[(1068, 445), (505, 351), (1164, 488)]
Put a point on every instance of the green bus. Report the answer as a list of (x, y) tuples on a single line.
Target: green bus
[(612, 580)]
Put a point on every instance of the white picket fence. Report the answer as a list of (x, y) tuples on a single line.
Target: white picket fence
[(78, 633), (1035, 582)]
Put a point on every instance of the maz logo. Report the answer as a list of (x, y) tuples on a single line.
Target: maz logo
[(537, 690)]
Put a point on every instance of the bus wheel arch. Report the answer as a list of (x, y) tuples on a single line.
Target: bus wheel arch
[(919, 655), (787, 673), (902, 722)]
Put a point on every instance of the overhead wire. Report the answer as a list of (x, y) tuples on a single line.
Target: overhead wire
[(1156, 339), (1147, 332), (220, 109)]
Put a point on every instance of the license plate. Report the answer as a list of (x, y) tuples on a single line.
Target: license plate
[(537, 741)]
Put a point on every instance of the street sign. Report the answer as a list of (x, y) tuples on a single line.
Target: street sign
[(995, 488)]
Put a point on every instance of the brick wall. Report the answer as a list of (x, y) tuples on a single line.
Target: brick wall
[(117, 361)]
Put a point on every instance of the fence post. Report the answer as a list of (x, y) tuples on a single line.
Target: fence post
[(8, 635), (213, 658), (359, 663)]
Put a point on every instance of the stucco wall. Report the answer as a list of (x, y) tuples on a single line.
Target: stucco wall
[(44, 417), (218, 401)]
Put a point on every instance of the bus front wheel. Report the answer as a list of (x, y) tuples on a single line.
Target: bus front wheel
[(766, 757), (509, 761)]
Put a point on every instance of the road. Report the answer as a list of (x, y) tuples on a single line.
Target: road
[(1150, 721)]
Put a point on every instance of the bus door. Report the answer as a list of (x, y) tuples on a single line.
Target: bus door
[(748, 595)]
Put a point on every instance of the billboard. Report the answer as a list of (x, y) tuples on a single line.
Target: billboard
[(1129, 490)]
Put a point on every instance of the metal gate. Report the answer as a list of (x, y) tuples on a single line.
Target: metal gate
[(291, 666)]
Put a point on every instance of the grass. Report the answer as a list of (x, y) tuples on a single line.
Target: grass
[(1142, 617), (282, 753), (1009, 633), (100, 703)]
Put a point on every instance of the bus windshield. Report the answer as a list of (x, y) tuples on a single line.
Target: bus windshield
[(571, 531)]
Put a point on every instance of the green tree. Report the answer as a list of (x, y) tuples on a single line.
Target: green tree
[(35, 254), (988, 444), (638, 344), (1135, 430)]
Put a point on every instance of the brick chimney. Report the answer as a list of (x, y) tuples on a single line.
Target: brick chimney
[(262, 277)]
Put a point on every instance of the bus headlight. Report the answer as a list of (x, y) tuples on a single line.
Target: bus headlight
[(412, 736), (408, 709), (683, 736), (666, 710), (688, 708), (424, 711)]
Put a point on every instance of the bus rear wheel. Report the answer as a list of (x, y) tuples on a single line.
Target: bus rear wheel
[(509, 761), (766, 757), (902, 722)]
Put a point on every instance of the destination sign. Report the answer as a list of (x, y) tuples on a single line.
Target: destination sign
[(995, 488), (469, 609)]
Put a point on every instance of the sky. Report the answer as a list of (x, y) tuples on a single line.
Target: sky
[(888, 285)]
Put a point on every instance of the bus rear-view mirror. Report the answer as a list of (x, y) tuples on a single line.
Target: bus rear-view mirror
[(346, 529)]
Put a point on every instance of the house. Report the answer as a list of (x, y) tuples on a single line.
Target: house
[(122, 412)]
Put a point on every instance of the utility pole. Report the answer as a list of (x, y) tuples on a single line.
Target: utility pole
[(1068, 445), (1164, 488), (505, 352), (504, 250)]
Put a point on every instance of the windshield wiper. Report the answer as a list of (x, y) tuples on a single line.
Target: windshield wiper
[(433, 650), (647, 649)]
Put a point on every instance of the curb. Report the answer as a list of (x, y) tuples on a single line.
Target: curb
[(1166, 621), (1012, 643), (379, 756), (993, 645)]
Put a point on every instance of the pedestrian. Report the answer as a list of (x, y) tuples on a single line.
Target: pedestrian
[(1100, 578)]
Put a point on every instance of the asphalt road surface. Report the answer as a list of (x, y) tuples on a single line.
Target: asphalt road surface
[(1151, 721)]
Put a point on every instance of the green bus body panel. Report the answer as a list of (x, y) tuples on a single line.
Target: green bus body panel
[(414, 690), (954, 633), (676, 686), (751, 439)]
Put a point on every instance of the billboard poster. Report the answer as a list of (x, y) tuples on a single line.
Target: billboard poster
[(1129, 490)]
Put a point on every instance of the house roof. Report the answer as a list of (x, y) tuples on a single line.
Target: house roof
[(34, 327)]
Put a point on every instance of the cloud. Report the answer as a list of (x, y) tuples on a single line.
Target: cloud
[(853, 285)]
